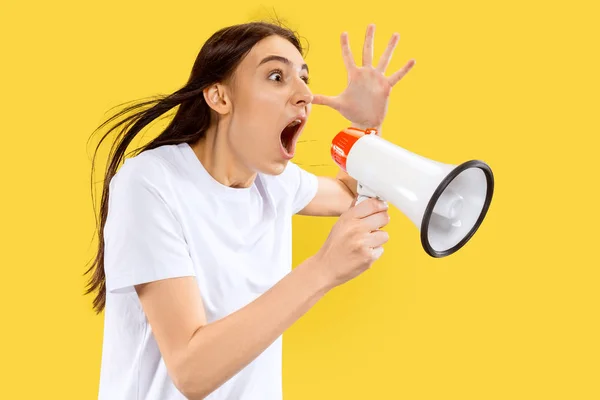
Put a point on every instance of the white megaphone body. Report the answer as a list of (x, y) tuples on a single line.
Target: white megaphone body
[(446, 202)]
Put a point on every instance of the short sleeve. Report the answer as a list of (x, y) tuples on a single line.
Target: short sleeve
[(143, 240), (303, 186)]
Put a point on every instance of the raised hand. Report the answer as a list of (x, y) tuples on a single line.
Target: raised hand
[(364, 101)]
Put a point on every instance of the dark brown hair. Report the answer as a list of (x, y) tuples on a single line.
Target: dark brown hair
[(216, 62)]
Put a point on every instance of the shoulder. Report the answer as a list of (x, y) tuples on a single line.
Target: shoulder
[(149, 167), (146, 177), (143, 186)]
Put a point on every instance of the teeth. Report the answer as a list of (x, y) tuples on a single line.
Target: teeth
[(294, 123)]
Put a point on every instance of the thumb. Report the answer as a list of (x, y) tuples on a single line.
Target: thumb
[(330, 101)]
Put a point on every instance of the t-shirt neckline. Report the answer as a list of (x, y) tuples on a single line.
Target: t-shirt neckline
[(198, 170)]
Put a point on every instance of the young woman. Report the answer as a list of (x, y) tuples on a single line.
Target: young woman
[(194, 263)]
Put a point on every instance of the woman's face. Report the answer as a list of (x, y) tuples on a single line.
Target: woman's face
[(269, 91)]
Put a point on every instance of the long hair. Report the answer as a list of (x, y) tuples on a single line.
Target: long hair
[(216, 62)]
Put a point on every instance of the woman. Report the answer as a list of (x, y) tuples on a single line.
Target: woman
[(194, 263)]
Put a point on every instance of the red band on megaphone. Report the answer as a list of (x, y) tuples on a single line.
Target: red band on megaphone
[(342, 144)]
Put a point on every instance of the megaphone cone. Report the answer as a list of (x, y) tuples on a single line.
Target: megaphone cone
[(446, 202)]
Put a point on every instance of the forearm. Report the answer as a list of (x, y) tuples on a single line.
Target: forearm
[(348, 181), (219, 350)]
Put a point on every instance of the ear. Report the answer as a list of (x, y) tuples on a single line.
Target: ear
[(217, 99)]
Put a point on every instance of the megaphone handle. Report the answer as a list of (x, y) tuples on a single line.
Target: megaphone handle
[(361, 198), (364, 193)]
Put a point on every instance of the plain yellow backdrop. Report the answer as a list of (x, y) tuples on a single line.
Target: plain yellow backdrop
[(513, 315)]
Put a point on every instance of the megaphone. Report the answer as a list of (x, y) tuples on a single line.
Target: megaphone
[(446, 202)]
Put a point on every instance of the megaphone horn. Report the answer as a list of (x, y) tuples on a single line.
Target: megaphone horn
[(446, 202)]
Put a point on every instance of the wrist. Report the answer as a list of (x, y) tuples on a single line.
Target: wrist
[(363, 126), (317, 275)]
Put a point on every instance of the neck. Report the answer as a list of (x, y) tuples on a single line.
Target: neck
[(220, 161)]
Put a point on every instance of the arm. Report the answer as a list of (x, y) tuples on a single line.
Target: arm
[(200, 357), (334, 196)]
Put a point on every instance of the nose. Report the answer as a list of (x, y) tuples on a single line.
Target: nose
[(302, 95)]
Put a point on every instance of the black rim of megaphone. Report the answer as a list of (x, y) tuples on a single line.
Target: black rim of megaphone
[(438, 192)]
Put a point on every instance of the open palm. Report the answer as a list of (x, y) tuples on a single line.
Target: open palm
[(364, 101)]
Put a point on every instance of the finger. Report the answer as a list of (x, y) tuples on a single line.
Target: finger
[(376, 221), (384, 61), (368, 207), (346, 52), (377, 238), (329, 101), (367, 56), (377, 252), (396, 76)]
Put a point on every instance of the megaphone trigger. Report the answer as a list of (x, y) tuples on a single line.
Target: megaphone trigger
[(365, 193)]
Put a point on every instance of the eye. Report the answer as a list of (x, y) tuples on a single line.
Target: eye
[(279, 76), (276, 72)]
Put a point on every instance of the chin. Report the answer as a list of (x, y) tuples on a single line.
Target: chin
[(275, 168)]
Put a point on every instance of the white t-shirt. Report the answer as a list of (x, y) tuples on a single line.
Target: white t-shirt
[(167, 217)]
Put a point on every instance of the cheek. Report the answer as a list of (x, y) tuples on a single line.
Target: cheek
[(258, 116), (251, 131), (259, 104), (265, 113), (268, 102)]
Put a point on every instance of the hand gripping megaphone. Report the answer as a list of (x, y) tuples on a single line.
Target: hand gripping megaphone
[(446, 202)]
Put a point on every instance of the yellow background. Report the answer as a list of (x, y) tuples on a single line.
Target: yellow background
[(513, 315)]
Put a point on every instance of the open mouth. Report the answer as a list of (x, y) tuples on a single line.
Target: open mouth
[(290, 134)]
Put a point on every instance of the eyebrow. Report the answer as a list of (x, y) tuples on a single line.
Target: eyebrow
[(281, 59)]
